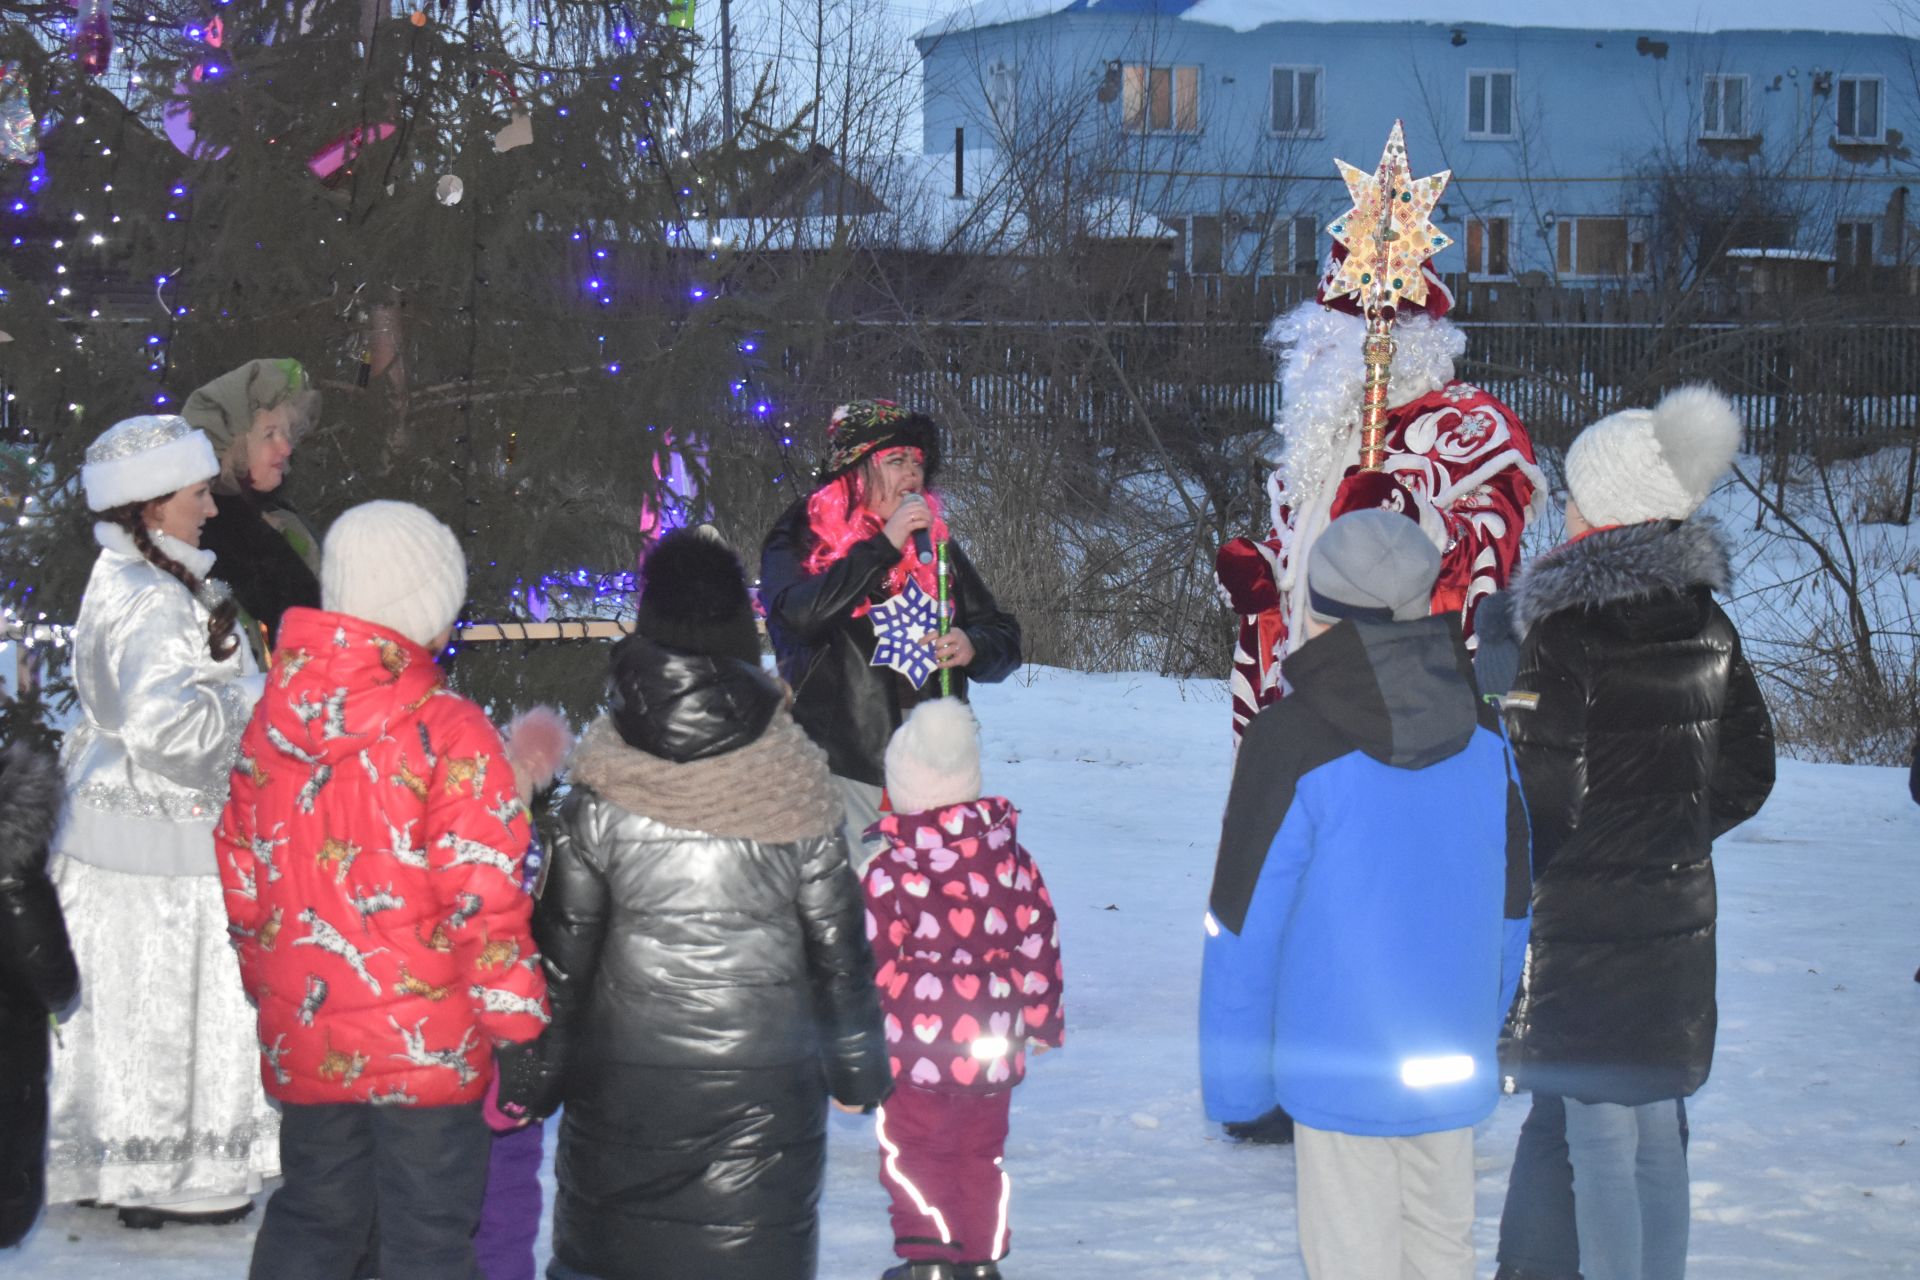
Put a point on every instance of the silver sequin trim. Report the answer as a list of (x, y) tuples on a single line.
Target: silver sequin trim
[(233, 1145), (136, 436), (141, 804), (234, 702)]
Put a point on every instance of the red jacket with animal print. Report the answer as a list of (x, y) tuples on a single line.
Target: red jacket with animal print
[(371, 852), (968, 949)]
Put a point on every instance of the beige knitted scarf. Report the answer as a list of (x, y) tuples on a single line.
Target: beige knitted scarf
[(775, 789)]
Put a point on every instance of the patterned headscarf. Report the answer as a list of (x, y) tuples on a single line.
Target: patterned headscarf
[(858, 428)]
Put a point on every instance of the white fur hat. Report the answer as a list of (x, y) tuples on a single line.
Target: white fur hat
[(144, 458), (934, 758), (1653, 464), (393, 564)]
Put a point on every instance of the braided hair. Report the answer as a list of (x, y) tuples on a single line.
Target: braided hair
[(224, 611)]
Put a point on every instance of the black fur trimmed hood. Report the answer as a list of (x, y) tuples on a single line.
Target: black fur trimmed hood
[(1627, 563), (32, 791)]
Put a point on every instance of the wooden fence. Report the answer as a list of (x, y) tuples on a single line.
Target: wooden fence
[(1845, 385)]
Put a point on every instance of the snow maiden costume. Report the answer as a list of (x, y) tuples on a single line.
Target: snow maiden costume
[(157, 1106), (1458, 460)]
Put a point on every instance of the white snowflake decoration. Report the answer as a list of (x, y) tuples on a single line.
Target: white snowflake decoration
[(899, 625)]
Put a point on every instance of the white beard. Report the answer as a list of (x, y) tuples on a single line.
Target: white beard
[(1322, 374)]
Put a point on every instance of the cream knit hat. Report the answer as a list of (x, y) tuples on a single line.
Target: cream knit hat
[(933, 759), (1653, 464), (394, 565)]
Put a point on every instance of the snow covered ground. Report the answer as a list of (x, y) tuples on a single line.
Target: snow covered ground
[(1806, 1148)]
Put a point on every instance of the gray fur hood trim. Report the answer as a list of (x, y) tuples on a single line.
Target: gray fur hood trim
[(1622, 564), (31, 794)]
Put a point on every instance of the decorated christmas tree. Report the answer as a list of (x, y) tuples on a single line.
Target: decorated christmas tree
[(474, 227)]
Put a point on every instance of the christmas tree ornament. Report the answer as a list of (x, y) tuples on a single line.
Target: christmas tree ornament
[(899, 626), (177, 116), (449, 189), (333, 162), (19, 136), (518, 133), (92, 44), (680, 14), (1388, 235)]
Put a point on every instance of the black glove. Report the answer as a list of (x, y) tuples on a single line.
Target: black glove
[(1275, 1127), (529, 1080)]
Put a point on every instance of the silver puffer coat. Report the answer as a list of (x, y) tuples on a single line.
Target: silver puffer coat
[(147, 765)]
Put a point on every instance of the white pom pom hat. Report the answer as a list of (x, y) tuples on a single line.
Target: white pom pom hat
[(933, 759), (144, 458), (1653, 464)]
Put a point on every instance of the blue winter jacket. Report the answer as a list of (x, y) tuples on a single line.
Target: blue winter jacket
[(1368, 919)]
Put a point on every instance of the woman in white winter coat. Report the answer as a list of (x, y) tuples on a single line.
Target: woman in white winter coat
[(157, 1105)]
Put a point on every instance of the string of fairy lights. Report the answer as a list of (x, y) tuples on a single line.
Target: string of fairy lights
[(66, 232)]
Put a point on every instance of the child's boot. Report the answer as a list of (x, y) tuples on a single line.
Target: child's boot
[(977, 1271), (921, 1271)]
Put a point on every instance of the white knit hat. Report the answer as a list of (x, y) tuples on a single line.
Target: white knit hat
[(934, 758), (144, 458), (393, 564), (1653, 464)]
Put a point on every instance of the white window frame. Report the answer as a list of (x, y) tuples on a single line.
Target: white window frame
[(1287, 245), (1513, 105), (1479, 270), (1841, 84), (1713, 107), (1316, 128), (1003, 91), (1572, 221), (1145, 128)]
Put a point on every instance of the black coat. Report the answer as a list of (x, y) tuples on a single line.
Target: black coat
[(267, 575), (1641, 737), (845, 703), (708, 992), (36, 977), (1913, 773)]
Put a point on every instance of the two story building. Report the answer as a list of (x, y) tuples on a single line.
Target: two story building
[(1620, 143)]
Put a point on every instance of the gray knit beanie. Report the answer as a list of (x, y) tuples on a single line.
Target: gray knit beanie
[(1371, 564)]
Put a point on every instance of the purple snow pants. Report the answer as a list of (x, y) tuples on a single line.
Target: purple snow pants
[(510, 1214), (940, 1161)]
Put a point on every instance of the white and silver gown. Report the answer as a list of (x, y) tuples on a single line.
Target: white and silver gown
[(156, 1094)]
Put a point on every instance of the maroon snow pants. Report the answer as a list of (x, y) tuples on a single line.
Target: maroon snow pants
[(940, 1161)]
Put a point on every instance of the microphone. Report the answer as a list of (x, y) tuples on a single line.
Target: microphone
[(922, 540)]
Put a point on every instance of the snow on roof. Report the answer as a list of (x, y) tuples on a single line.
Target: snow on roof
[(1852, 17), (1781, 255)]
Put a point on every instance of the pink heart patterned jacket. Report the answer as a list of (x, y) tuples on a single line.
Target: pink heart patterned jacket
[(967, 948)]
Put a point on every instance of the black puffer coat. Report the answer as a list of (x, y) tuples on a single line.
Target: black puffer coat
[(36, 977), (844, 702), (709, 986), (1641, 738)]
